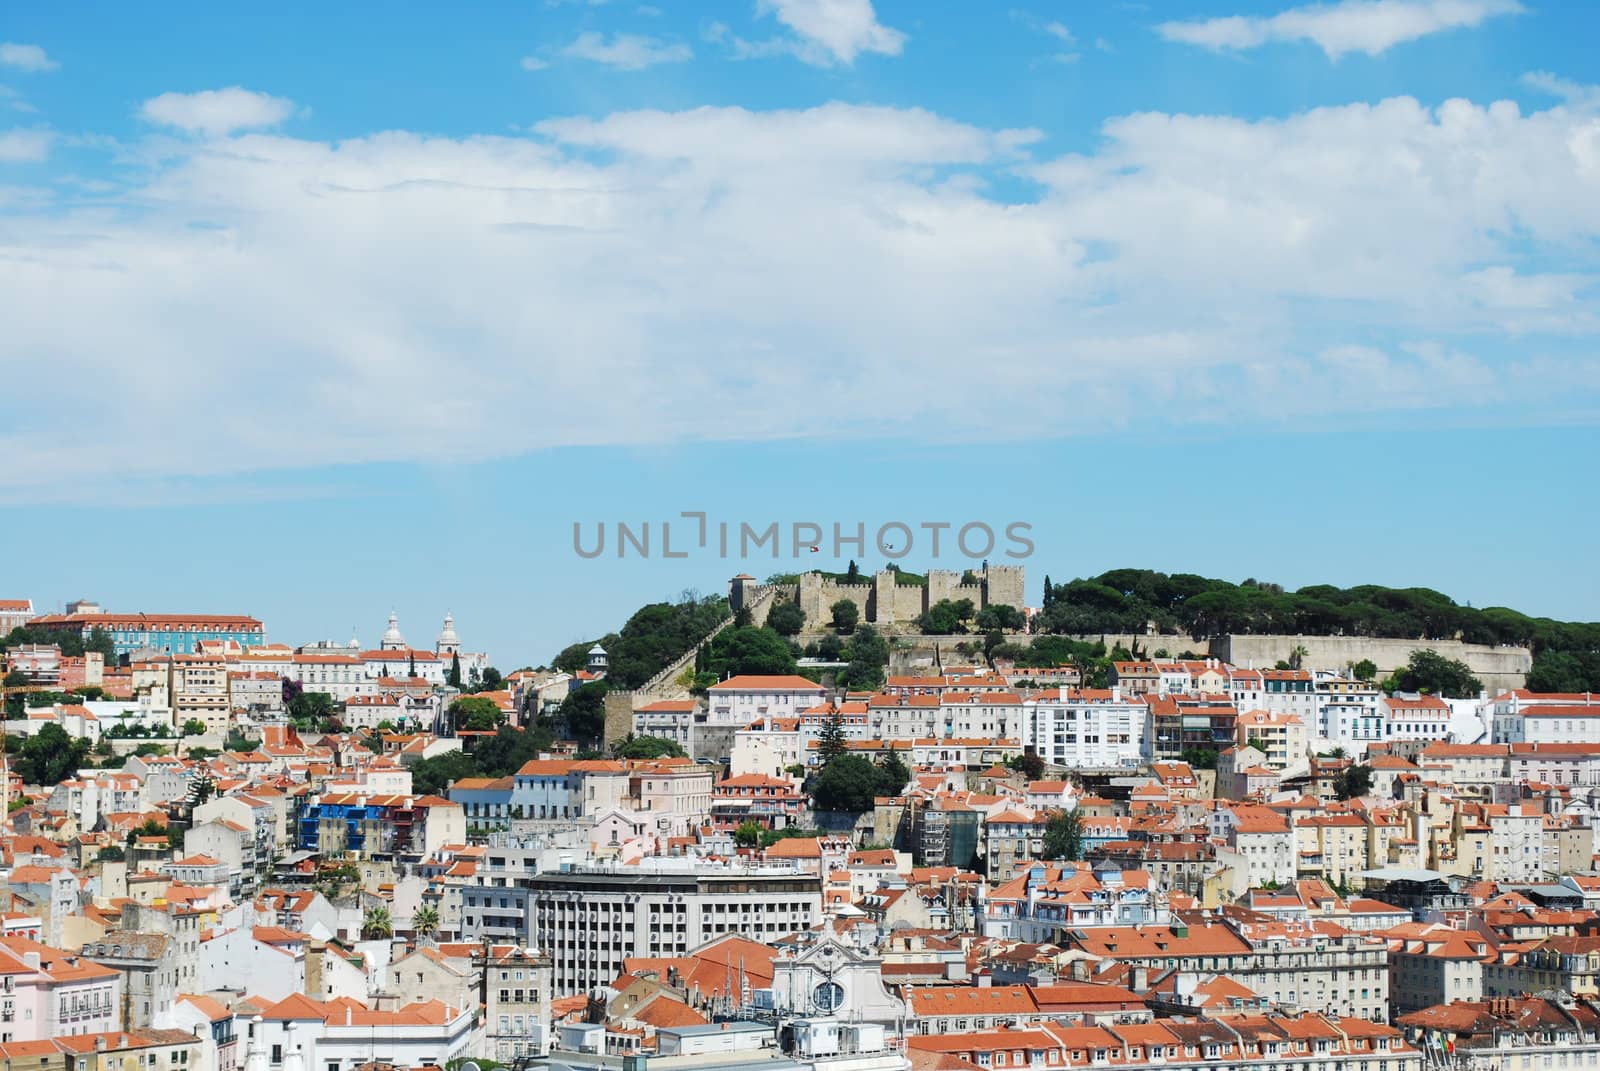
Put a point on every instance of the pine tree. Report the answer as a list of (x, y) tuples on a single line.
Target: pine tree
[(830, 742), (411, 665), (852, 574), (1049, 594), (455, 671)]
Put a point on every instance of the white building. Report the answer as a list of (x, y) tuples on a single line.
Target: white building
[(302, 1034), (1095, 728), (1416, 717), (589, 920), (745, 698), (1526, 717)]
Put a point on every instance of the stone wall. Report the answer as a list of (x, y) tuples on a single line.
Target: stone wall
[(1499, 668), (884, 601)]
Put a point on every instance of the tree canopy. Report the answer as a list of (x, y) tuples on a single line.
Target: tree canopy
[(868, 655), (48, 756), (584, 710), (748, 649), (474, 713), (649, 747), (786, 618), (850, 783), (654, 637), (1129, 600), (1063, 836), (1431, 672)]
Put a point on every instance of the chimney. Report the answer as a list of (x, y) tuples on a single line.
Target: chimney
[(100, 1043)]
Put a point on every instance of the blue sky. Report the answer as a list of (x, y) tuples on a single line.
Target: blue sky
[(313, 312)]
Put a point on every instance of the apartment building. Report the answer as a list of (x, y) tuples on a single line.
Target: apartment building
[(590, 919), (1086, 728)]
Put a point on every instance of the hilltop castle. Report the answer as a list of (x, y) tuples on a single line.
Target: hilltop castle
[(886, 600)]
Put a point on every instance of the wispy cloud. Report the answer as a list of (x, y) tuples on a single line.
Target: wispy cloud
[(24, 146), (533, 63), (626, 51), (1368, 26), (216, 112), (1572, 92), (1066, 48), (28, 58)]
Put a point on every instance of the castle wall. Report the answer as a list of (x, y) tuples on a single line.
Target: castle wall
[(883, 601), (1499, 668)]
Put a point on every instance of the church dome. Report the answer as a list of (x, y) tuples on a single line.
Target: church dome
[(392, 639), (447, 635)]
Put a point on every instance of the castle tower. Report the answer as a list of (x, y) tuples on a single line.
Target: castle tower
[(597, 660), (392, 640), (741, 591), (447, 645)]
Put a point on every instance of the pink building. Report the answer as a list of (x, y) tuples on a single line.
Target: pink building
[(48, 993)]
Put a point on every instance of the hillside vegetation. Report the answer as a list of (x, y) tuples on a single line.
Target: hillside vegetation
[(1566, 654)]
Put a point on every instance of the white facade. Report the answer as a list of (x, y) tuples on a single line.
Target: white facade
[(744, 699), (1083, 729)]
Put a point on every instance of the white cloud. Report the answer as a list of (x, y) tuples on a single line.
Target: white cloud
[(637, 277), (833, 31), (1580, 96), (533, 63), (216, 112), (1369, 26), (24, 146), (25, 57), (627, 51)]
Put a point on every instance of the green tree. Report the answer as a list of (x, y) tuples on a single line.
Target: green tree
[(310, 709), (868, 655), (1365, 670), (1030, 765), (475, 714), (830, 741), (100, 641), (1353, 782), (852, 573), (1200, 758), (1429, 671), (1001, 617), (49, 756), (194, 727), (747, 835), (239, 742), (848, 784), (376, 925), (433, 777), (583, 711), (650, 747), (759, 651), (845, 615), (786, 618), (453, 677), (946, 617), (893, 776), (491, 680), (1063, 836), (425, 922)]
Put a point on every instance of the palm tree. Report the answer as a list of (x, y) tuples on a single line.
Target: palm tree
[(377, 926), (1298, 656), (425, 922)]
